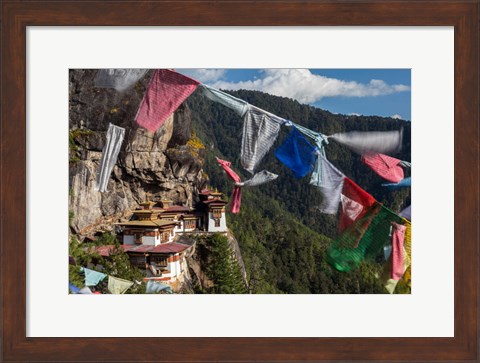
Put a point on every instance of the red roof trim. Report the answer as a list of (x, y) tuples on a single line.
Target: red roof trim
[(219, 201), (104, 251), (171, 247)]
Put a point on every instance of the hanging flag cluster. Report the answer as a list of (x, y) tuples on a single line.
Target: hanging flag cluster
[(93, 278), (366, 227)]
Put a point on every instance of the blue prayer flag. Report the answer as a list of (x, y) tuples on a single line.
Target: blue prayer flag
[(73, 288), (297, 154), (404, 183)]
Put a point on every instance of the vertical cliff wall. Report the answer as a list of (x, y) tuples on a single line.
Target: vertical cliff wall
[(166, 164)]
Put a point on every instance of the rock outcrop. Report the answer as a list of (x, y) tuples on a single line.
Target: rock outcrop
[(198, 259), (166, 164)]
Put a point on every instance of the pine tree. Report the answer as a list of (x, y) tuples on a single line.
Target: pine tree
[(224, 269), (118, 265)]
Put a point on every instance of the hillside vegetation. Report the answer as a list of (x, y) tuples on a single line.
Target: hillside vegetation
[(282, 236)]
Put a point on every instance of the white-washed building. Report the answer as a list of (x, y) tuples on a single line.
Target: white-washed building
[(212, 217)]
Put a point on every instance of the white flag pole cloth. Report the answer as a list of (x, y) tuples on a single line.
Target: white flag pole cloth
[(115, 135), (260, 130), (365, 142)]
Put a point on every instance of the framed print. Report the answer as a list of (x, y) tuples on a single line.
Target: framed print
[(60, 61)]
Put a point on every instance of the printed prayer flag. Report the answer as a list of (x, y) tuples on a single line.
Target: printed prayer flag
[(387, 167), (85, 291), (260, 130), (154, 287), (355, 203), (391, 283), (407, 213), (398, 256), (297, 154), (259, 178), (237, 191), (404, 183), (387, 252), (363, 239), (120, 79), (407, 276), (236, 200), (92, 277), (115, 135), (228, 170), (167, 90), (365, 142), (73, 288), (330, 184), (117, 285), (320, 141), (236, 104)]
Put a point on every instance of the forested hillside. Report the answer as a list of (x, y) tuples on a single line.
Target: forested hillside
[(282, 235)]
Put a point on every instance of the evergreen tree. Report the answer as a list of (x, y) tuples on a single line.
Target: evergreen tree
[(224, 269), (82, 256), (118, 265)]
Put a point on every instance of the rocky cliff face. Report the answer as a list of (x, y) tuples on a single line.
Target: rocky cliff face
[(166, 164), (196, 278)]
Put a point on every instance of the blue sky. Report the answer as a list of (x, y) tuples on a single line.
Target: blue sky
[(382, 92)]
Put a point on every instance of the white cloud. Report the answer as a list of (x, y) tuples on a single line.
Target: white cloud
[(397, 116), (204, 75), (354, 114), (306, 87)]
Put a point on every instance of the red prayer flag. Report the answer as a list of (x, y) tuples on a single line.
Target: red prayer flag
[(398, 237), (355, 203), (167, 90), (385, 166)]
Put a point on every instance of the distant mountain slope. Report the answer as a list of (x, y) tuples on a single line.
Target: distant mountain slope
[(221, 130), (282, 235)]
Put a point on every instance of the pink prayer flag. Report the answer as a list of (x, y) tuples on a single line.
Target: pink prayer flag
[(226, 166), (237, 191), (398, 257), (385, 166), (167, 90), (236, 200)]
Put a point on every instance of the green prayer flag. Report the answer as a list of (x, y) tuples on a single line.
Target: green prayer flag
[(362, 240)]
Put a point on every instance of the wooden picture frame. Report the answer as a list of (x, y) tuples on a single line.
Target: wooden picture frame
[(17, 16)]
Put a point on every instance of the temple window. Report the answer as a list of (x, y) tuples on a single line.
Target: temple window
[(217, 213), (138, 261), (159, 261), (138, 237)]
